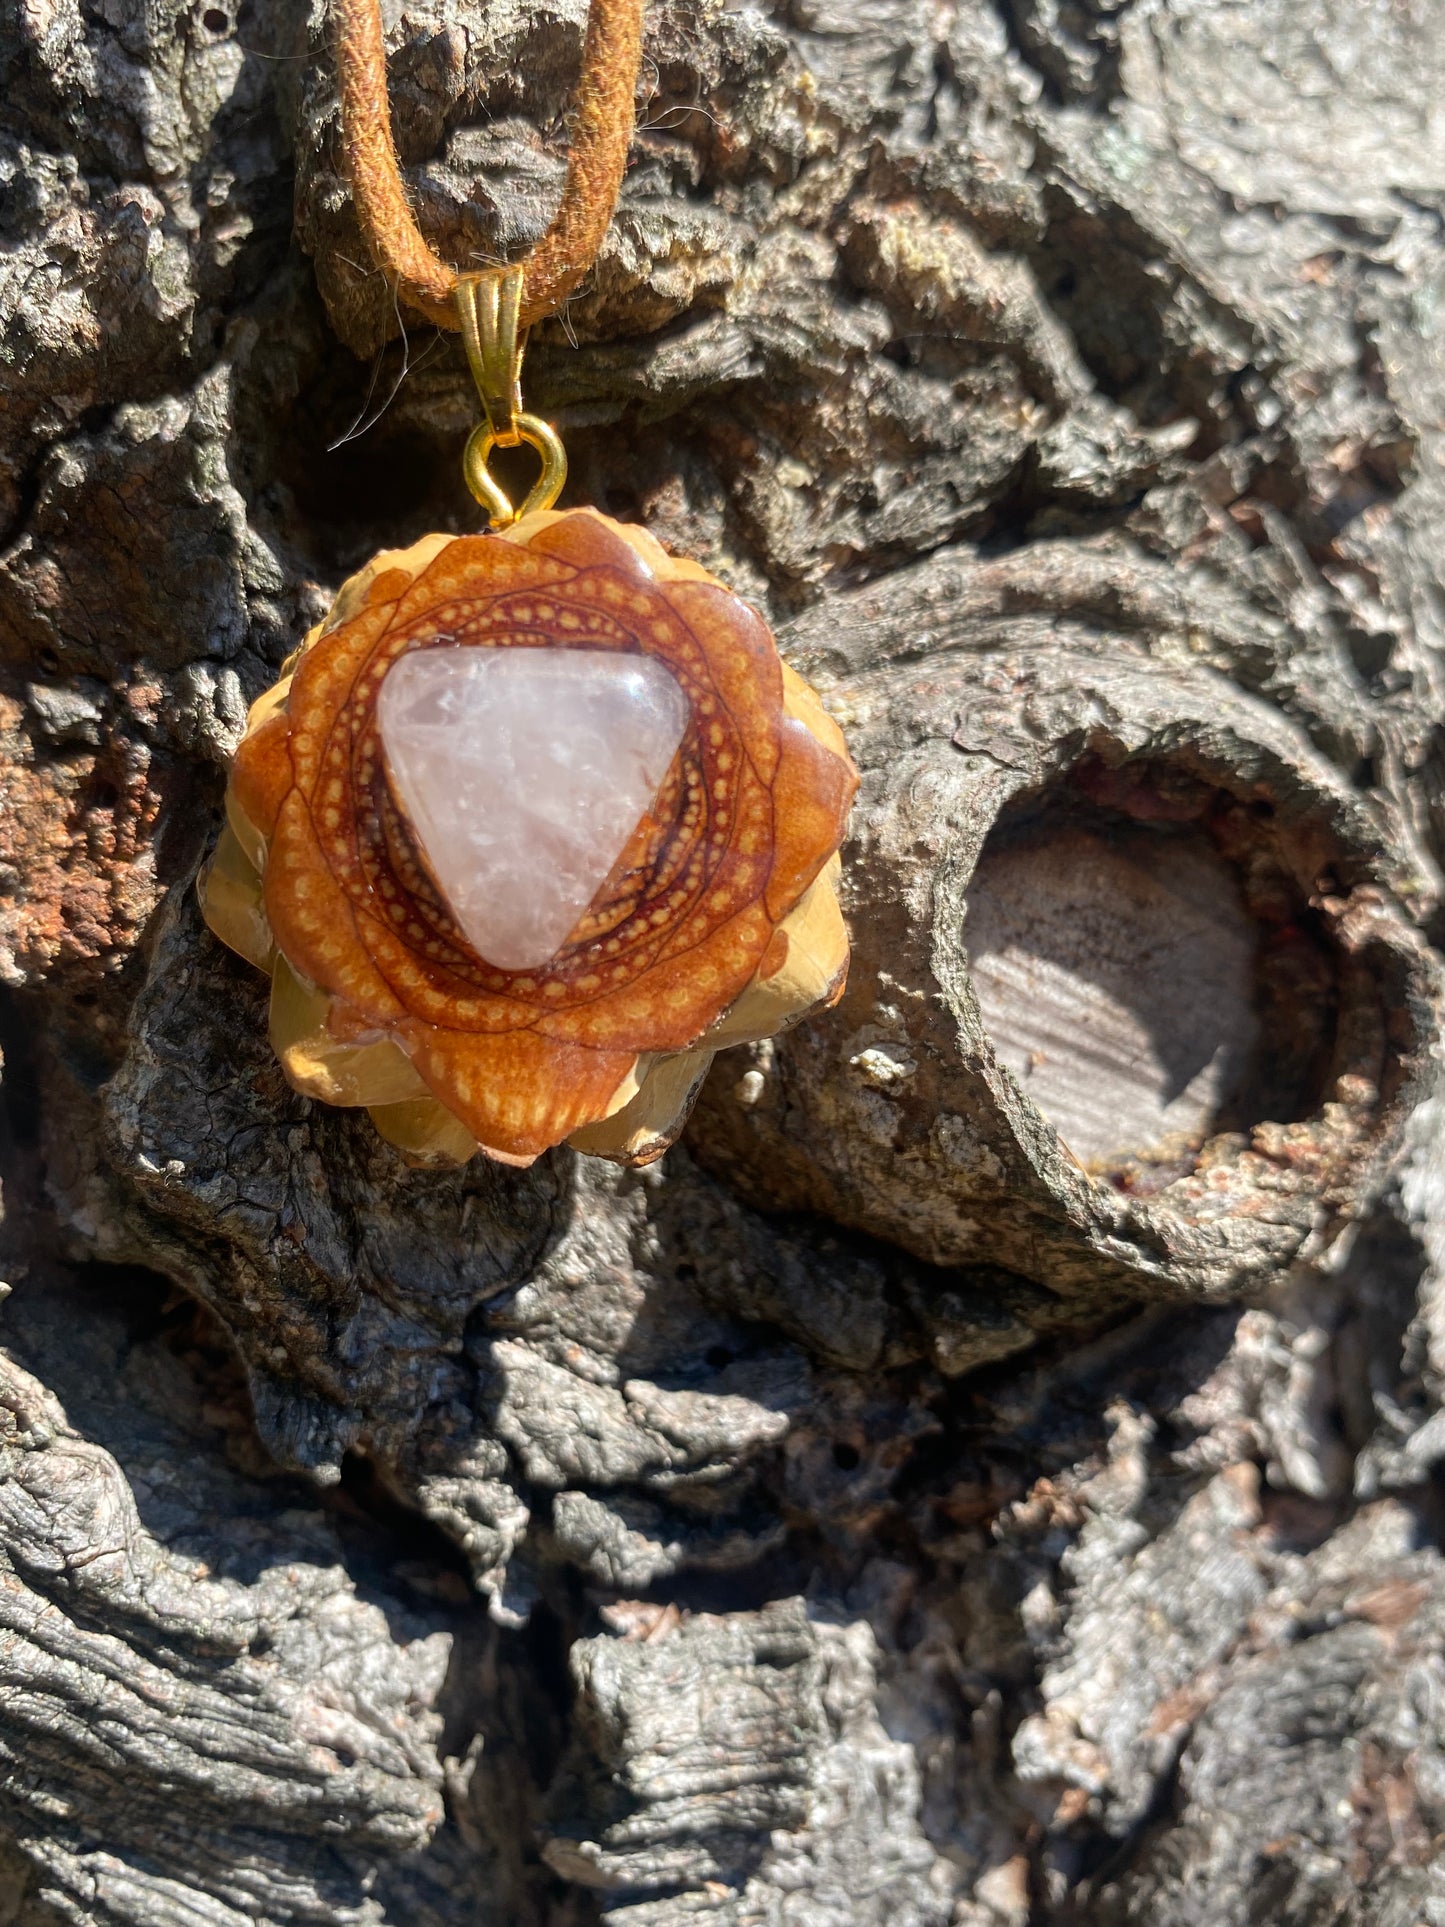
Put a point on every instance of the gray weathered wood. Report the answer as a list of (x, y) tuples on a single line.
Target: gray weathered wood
[(989, 1474)]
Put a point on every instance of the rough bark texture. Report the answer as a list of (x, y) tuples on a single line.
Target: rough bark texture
[(991, 1474)]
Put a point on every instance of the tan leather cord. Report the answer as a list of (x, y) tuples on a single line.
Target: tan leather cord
[(603, 113)]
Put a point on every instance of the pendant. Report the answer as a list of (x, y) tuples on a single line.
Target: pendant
[(533, 825)]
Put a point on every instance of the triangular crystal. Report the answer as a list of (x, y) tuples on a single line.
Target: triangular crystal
[(523, 772)]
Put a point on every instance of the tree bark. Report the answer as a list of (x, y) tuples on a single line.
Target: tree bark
[(990, 1473)]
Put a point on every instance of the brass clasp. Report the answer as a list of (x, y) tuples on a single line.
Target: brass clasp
[(489, 306)]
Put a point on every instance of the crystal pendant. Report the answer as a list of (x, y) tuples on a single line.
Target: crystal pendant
[(523, 773)]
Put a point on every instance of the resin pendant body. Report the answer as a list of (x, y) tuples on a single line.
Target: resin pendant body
[(537, 823)]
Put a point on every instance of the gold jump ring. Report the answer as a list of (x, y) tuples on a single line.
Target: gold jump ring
[(537, 434)]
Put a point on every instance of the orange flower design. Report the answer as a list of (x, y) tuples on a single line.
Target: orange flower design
[(718, 924)]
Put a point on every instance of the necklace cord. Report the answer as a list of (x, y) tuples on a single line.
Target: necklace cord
[(602, 121)]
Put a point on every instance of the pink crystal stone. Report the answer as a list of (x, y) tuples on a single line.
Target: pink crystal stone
[(523, 772)]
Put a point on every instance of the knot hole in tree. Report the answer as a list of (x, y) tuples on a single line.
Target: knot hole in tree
[(1149, 967), (1130, 1006)]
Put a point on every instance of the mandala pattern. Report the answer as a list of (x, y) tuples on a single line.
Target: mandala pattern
[(718, 924)]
